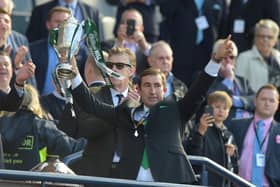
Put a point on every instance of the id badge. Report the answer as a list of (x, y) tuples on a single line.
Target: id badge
[(260, 159), (201, 23), (239, 26)]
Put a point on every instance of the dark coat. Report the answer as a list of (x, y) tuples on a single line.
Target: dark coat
[(162, 135), (10, 102), (24, 134), (101, 136), (251, 13), (239, 129), (37, 26), (212, 146), (53, 105)]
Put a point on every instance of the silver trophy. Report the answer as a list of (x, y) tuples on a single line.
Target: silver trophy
[(65, 40)]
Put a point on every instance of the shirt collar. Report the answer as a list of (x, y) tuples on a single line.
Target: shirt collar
[(73, 4), (266, 121), (114, 92), (170, 77), (146, 109)]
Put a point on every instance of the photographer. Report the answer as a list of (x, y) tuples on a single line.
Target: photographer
[(130, 35)]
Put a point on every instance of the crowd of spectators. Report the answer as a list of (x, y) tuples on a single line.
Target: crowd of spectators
[(204, 79)]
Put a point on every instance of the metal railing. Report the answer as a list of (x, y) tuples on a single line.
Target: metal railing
[(205, 163), (208, 164), (78, 179)]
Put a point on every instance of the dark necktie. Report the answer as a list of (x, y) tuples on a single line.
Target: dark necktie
[(119, 96)]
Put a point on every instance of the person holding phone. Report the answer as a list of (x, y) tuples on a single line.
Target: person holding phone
[(212, 139), (130, 35)]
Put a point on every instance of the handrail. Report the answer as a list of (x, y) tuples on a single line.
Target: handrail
[(216, 168), (79, 179)]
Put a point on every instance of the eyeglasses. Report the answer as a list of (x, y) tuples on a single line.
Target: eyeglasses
[(262, 36), (119, 65)]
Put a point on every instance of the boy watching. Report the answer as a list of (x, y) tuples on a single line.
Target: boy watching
[(212, 139)]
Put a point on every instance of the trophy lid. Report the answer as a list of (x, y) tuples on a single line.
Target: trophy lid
[(53, 164)]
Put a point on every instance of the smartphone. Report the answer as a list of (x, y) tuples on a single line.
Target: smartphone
[(209, 110), (130, 29)]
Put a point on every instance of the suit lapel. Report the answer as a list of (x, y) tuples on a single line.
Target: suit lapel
[(239, 85), (84, 10), (45, 59)]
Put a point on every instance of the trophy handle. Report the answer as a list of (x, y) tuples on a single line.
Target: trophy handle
[(95, 51), (78, 35)]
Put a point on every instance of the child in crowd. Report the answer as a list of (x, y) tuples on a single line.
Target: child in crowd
[(212, 139)]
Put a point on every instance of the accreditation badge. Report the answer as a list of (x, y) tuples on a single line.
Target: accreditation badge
[(260, 159)]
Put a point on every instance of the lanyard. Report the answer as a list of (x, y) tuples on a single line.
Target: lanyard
[(260, 143), (140, 122)]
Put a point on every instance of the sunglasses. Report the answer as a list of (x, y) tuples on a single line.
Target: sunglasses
[(118, 65)]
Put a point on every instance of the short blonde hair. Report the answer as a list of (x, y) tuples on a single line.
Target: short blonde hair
[(269, 24), (219, 96), (122, 50)]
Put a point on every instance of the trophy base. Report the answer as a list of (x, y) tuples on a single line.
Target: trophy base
[(64, 71)]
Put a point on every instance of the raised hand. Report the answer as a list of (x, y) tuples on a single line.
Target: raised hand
[(21, 53), (205, 120), (224, 49), (25, 72)]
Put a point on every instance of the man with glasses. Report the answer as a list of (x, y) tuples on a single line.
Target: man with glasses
[(236, 86), (104, 149), (261, 64)]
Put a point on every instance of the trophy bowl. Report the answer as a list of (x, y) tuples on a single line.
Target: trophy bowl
[(61, 39)]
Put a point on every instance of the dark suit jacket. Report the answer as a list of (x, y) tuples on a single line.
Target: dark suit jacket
[(39, 52), (246, 94), (148, 12), (53, 105), (11, 101), (101, 136), (161, 137), (251, 12), (272, 156), (37, 27), (180, 24)]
